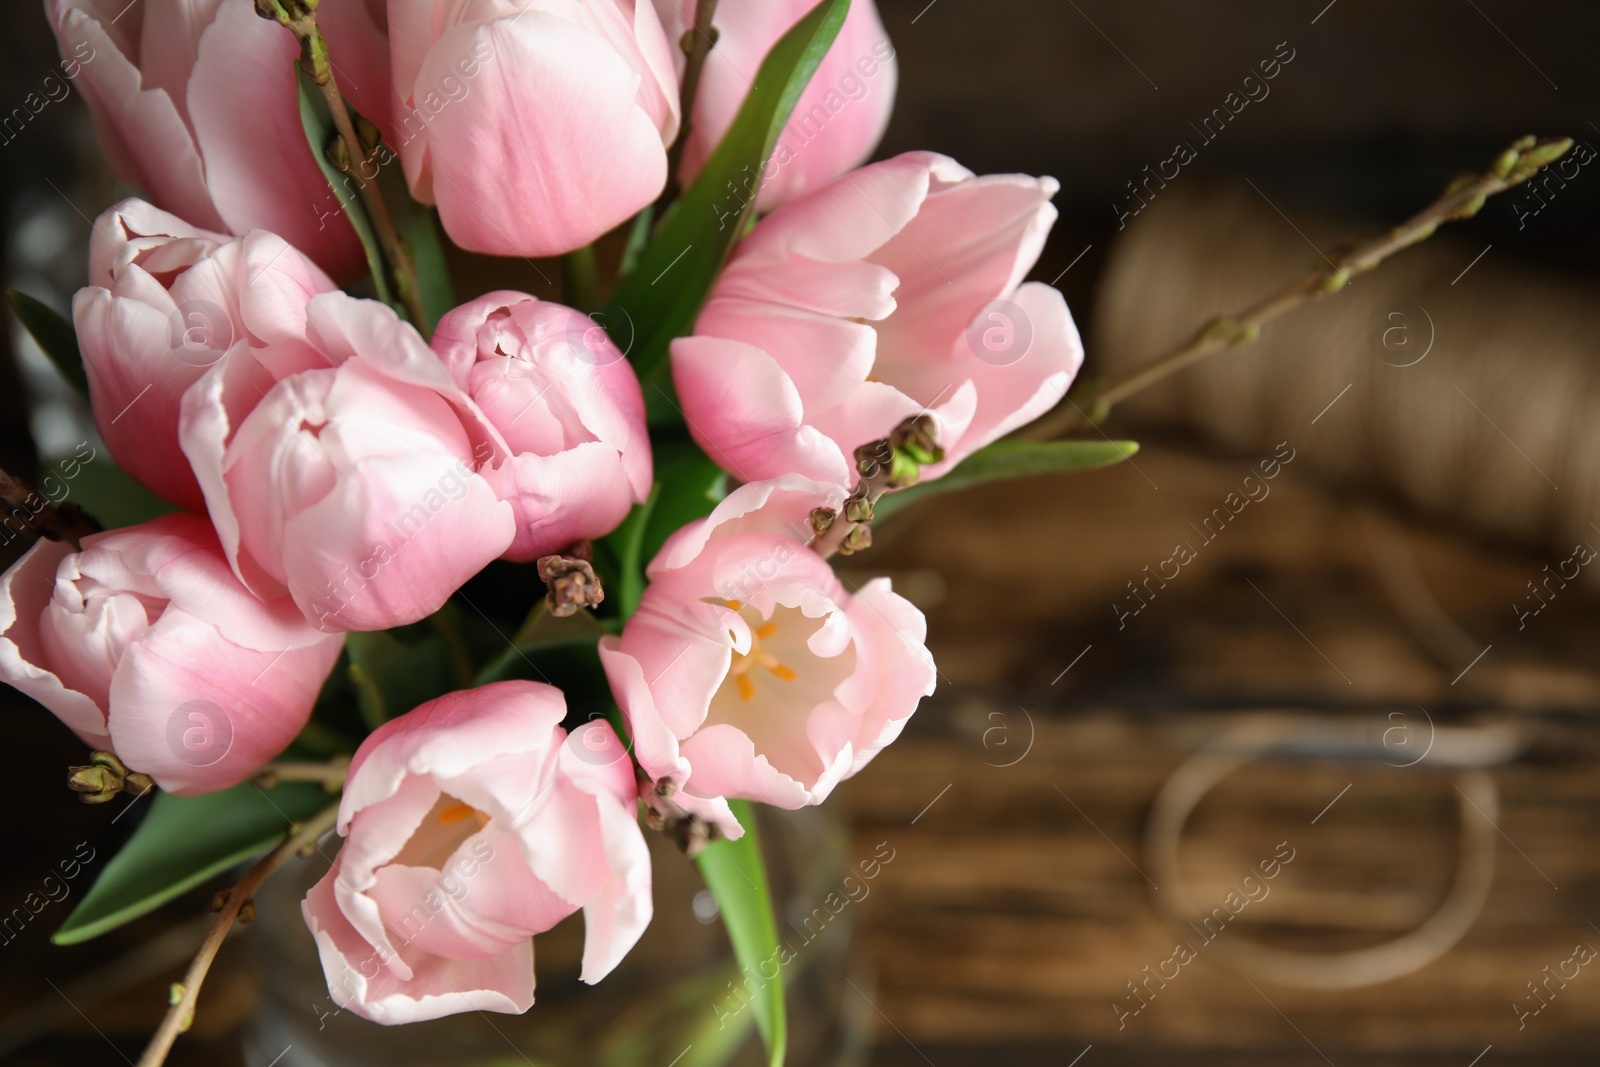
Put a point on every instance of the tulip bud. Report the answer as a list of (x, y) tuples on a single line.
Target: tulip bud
[(794, 685), (139, 640), (564, 133), (530, 824), (886, 340), (196, 106)]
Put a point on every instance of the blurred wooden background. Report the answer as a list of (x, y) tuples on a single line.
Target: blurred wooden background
[(1013, 915)]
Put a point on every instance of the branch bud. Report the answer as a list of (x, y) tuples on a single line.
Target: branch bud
[(573, 585), (96, 785), (873, 456), (858, 507), (915, 437), (859, 539)]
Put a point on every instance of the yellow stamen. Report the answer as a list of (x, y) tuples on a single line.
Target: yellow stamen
[(757, 656), (458, 811)]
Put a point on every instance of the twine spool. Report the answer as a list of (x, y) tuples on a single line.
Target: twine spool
[(1509, 346)]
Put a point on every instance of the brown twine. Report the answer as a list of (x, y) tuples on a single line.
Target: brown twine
[(1469, 750), (1506, 338)]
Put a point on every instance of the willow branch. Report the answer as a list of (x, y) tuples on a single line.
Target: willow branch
[(329, 775), (1462, 199), (68, 522), (696, 44), (181, 1014), (838, 531), (300, 18), (886, 465)]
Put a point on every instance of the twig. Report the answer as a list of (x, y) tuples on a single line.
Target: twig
[(891, 463), (696, 44), (299, 17), (1462, 199), (181, 1014), (68, 523), (329, 775)]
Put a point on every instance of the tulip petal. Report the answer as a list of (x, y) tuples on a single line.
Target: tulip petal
[(25, 590), (261, 173), (561, 499), (792, 337), (1011, 396), (137, 382), (448, 737), (970, 244), (143, 134), (854, 217), (180, 714), (390, 520), (654, 744), (595, 762), (726, 764), (510, 183), (746, 413), (438, 986)]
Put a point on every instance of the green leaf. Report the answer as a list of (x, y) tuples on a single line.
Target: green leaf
[(542, 636), (115, 500), (626, 545), (666, 290), (415, 224), (1012, 459), (54, 335), (737, 878), (691, 485), (182, 842), (638, 238), (417, 228), (688, 485), (318, 124), (393, 671)]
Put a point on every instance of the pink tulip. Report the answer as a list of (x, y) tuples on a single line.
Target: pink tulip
[(145, 642), (839, 119), (345, 468), (891, 292), (165, 302), (534, 125), (196, 103), (471, 825), (748, 669), (569, 407)]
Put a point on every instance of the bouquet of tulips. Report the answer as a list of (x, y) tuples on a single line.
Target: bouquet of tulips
[(491, 588), (510, 576)]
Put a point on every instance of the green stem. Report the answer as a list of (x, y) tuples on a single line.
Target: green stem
[(501, 666), (579, 278)]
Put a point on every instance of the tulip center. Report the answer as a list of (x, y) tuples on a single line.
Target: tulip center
[(758, 656), (458, 811), (447, 825)]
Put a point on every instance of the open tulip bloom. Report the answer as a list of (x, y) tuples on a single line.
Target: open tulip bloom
[(381, 515)]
